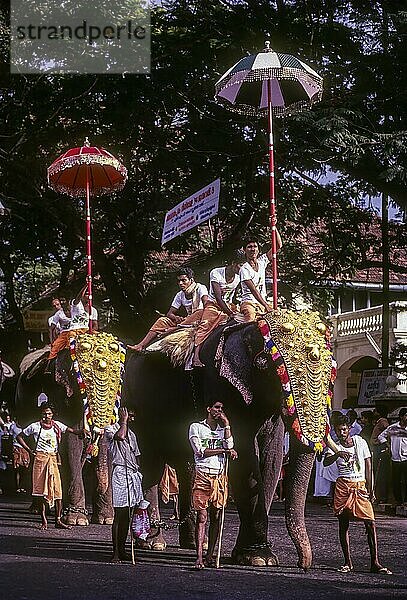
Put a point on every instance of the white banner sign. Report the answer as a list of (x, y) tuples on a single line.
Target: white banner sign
[(373, 383), (193, 211)]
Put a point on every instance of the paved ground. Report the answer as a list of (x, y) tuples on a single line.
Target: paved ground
[(56, 565)]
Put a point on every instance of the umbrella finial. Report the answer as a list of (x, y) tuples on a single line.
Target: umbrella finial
[(86, 142)]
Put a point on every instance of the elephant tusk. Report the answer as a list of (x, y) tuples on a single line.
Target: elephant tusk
[(331, 444)]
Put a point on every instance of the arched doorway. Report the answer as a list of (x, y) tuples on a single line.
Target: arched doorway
[(353, 382)]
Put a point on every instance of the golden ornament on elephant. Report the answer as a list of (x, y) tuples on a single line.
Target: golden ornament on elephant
[(300, 340), (100, 361)]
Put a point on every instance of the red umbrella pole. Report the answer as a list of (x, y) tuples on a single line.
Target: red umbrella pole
[(272, 196), (88, 248)]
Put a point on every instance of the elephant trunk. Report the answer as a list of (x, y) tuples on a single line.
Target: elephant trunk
[(300, 468)]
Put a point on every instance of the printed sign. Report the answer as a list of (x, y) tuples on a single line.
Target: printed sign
[(36, 320), (193, 211), (373, 383)]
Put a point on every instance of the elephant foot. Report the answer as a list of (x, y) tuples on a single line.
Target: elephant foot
[(76, 516), (142, 544), (157, 541), (305, 562), (187, 541), (101, 520), (255, 556), (154, 541)]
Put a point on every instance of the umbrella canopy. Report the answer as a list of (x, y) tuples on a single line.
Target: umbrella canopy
[(87, 171), (292, 84), (70, 173), (269, 83)]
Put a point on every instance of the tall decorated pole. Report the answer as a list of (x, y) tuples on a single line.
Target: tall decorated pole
[(273, 211), (89, 247)]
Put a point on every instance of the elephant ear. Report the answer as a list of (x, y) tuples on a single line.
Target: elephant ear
[(234, 358)]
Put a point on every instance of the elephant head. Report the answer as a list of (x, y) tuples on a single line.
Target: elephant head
[(294, 348)]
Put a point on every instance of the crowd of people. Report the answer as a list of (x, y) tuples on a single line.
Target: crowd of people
[(357, 474), (388, 447), (212, 445)]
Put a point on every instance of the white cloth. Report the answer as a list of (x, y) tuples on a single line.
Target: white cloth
[(79, 317), (47, 440), (354, 468), (257, 277), (126, 476), (60, 321), (201, 437), (322, 485), (218, 276), (398, 441), (181, 300), (93, 314), (15, 430), (355, 429)]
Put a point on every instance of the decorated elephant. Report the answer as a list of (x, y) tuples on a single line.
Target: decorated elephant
[(271, 374), (84, 389)]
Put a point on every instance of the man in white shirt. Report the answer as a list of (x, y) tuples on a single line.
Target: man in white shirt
[(191, 298), (223, 282), (47, 435), (211, 442), (396, 435), (354, 492), (72, 321), (253, 280), (53, 321)]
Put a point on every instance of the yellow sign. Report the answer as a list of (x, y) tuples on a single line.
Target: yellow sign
[(36, 320)]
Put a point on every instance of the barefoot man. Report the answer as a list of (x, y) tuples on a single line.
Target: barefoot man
[(354, 492), (46, 479), (211, 442)]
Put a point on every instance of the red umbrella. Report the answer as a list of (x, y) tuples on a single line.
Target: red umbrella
[(269, 83), (87, 171)]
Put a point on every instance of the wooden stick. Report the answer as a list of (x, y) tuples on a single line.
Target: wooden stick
[(222, 518)]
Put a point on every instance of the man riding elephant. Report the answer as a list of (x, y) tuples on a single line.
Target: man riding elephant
[(279, 368)]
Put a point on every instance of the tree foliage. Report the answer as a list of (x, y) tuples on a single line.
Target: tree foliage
[(173, 137)]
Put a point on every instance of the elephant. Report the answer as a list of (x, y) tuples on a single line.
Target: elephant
[(64, 393), (260, 402)]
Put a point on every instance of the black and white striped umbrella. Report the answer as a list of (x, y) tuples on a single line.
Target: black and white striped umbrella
[(292, 84), (273, 84)]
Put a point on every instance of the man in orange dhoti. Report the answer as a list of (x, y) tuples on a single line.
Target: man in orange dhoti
[(253, 280), (354, 492), (192, 297), (223, 282), (46, 478), (211, 441)]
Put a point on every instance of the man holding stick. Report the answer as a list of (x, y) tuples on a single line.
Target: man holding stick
[(212, 444), (126, 481)]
